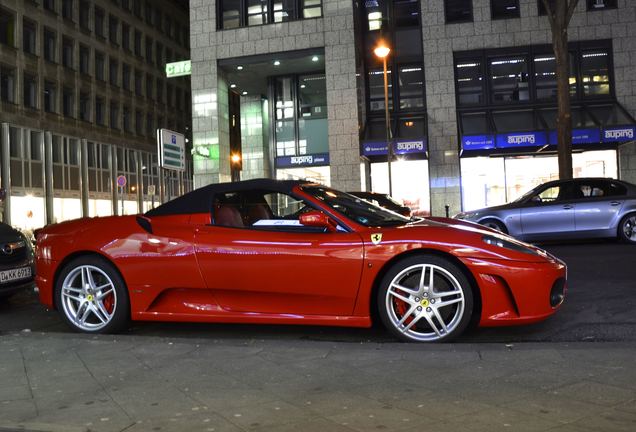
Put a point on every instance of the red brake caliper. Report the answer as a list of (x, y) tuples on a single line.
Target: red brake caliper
[(109, 302), (402, 308)]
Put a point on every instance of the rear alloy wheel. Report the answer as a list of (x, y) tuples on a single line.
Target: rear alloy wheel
[(627, 228), (425, 299), (92, 297), (494, 224)]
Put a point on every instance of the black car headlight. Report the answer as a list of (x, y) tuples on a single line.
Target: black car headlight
[(496, 241)]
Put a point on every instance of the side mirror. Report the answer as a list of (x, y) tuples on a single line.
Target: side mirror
[(535, 199), (318, 219)]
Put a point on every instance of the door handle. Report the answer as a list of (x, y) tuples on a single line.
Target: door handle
[(615, 203), (567, 206)]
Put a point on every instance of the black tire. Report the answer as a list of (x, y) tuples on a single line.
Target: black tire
[(627, 228), (106, 310), (418, 304), (494, 224)]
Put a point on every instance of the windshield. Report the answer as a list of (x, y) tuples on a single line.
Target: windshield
[(527, 195), (354, 208)]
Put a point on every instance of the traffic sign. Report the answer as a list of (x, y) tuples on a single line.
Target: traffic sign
[(121, 181), (171, 150), (151, 189)]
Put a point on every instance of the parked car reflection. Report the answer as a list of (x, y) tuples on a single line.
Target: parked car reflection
[(566, 209)]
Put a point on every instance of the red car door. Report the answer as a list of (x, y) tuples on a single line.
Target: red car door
[(281, 272)]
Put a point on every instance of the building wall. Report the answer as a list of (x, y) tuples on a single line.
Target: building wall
[(334, 32), (441, 40), (254, 138)]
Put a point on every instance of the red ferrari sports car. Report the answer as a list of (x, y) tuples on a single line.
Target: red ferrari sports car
[(292, 252)]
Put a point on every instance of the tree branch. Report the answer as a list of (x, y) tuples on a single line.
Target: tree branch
[(570, 12), (550, 12)]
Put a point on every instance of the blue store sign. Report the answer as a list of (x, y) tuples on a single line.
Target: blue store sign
[(478, 142), (302, 161), (619, 134), (522, 139), (580, 136), (399, 147)]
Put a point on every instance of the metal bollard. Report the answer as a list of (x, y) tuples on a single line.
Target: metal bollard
[(447, 210)]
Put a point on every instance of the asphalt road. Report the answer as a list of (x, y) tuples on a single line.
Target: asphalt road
[(599, 308)]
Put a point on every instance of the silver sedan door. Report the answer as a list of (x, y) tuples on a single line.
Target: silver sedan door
[(548, 212)]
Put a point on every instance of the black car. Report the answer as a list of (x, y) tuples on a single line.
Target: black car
[(385, 201), (17, 266)]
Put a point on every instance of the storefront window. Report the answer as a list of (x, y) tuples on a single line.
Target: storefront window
[(470, 82), (595, 73), (509, 79), (284, 116), (409, 183), (545, 76), (474, 123)]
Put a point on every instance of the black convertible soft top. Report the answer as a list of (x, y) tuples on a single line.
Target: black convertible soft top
[(200, 200)]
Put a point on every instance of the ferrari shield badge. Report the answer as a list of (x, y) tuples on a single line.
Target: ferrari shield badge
[(376, 238)]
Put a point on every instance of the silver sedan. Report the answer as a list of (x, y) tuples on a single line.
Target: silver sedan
[(566, 209)]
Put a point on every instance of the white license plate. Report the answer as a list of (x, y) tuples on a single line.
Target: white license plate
[(15, 274)]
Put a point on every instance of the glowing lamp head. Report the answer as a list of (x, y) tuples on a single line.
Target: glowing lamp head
[(235, 158), (382, 51)]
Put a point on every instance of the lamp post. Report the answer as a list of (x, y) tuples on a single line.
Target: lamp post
[(382, 51)]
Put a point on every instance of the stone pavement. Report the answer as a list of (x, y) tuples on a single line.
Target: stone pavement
[(70, 382)]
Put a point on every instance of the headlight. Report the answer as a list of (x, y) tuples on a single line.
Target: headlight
[(466, 215), (495, 241)]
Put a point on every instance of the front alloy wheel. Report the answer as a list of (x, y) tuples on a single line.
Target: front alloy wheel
[(425, 299), (91, 296)]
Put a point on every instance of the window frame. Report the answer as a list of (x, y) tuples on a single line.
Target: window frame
[(243, 18), (468, 19), (513, 16)]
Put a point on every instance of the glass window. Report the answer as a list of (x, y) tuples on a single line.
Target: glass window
[(376, 90), (113, 72), (541, 6), (99, 111), (99, 22), (510, 121), (148, 49), (137, 8), (85, 106), (593, 5), (49, 5), (68, 102), (50, 97), (470, 82), (149, 86), (113, 29), (406, 13), (29, 32), (67, 9), (84, 13), (411, 128), (99, 66), (545, 76), (150, 127), (139, 122), (548, 195), (114, 115), (68, 49), (7, 27), (85, 55), (500, 9), (411, 82), (49, 43), (312, 8), (256, 12), (138, 83), (138, 43), (125, 76), (474, 123), (595, 73), (312, 116), (284, 10), (29, 92), (7, 84), (509, 79), (127, 119), (159, 90), (458, 11), (610, 115), (284, 116), (125, 36), (148, 12), (230, 14)]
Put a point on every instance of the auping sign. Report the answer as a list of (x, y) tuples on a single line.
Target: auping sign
[(619, 134), (523, 139), (303, 160), (399, 147), (171, 150)]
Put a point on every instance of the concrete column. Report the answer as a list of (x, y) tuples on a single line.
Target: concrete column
[(113, 178), (140, 183), (6, 172), (48, 178)]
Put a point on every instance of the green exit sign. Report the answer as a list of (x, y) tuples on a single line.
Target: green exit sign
[(180, 68)]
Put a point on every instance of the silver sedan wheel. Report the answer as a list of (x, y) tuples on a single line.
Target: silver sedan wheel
[(425, 302), (629, 228), (89, 298)]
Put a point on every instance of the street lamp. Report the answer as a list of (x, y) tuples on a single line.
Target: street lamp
[(382, 51)]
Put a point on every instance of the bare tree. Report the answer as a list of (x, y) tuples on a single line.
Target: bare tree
[(559, 13)]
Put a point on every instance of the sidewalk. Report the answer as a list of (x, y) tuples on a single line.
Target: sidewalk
[(70, 382)]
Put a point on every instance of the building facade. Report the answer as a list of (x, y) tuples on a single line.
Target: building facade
[(295, 87), (83, 92)]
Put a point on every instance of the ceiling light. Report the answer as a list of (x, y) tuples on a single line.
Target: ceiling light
[(276, 62), (314, 58), (232, 85), (244, 93), (239, 67), (303, 86)]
